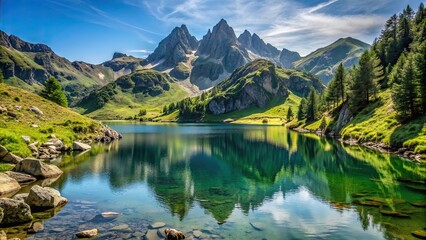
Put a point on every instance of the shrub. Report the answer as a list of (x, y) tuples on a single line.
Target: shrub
[(265, 120)]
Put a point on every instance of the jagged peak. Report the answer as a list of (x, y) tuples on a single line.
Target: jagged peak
[(118, 55)]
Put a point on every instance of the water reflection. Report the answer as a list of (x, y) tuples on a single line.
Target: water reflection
[(263, 170)]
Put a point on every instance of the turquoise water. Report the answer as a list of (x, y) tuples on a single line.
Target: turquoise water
[(236, 182)]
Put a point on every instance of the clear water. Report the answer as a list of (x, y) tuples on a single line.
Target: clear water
[(234, 182)]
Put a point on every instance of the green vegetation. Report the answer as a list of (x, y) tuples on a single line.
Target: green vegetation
[(53, 92), (386, 91), (1, 77), (325, 61), (149, 90), (256, 91), (64, 123)]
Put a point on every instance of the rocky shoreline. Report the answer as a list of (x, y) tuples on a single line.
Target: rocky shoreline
[(19, 209), (405, 153)]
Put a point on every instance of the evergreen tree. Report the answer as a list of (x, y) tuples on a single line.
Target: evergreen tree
[(301, 113), (290, 114), (340, 82), (396, 73), (323, 124), (420, 14), (420, 61), (1, 77), (312, 106), (405, 95), (53, 91), (363, 88), (331, 94)]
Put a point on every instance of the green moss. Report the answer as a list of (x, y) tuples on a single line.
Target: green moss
[(5, 167)]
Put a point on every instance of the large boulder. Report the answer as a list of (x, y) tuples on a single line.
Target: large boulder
[(8, 157), (79, 146), (21, 177), (15, 212), (44, 198), (8, 185), (37, 168), (36, 110)]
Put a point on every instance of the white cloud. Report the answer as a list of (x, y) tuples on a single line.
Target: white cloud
[(140, 51), (283, 23)]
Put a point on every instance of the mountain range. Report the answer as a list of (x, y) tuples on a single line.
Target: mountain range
[(191, 65)]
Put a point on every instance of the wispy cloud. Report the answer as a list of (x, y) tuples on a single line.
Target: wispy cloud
[(292, 24), (87, 12), (140, 51)]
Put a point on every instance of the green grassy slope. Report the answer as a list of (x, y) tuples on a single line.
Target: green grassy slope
[(143, 89), (378, 123), (324, 61), (64, 123)]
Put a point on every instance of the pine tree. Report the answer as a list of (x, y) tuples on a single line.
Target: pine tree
[(340, 82), (323, 124), (420, 14), (405, 95), (331, 94), (53, 91), (301, 113), (312, 106), (290, 114), (420, 61)]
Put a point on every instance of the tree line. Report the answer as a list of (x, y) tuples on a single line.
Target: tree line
[(396, 61)]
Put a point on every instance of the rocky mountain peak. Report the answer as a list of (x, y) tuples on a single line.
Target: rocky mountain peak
[(118, 55), (256, 45), (15, 42), (174, 48), (287, 58)]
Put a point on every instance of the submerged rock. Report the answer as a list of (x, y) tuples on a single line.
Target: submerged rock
[(173, 234), (393, 214), (157, 225), (36, 227), (419, 204), (15, 212), (257, 226), (87, 233), (37, 168), (44, 198), (8, 185)]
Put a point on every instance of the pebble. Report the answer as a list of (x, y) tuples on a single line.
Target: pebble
[(87, 233), (157, 225)]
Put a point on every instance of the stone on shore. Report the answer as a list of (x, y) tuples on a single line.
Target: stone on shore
[(157, 225), (21, 177), (79, 146), (21, 197), (8, 185), (8, 157), (87, 233), (15, 212), (37, 168), (44, 198), (174, 234)]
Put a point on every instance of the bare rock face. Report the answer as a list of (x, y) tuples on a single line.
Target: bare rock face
[(37, 168), (345, 116), (8, 185), (44, 198), (15, 212)]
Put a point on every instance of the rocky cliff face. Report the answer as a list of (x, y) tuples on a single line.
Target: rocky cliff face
[(256, 84), (257, 46), (174, 48), (219, 52), (287, 58)]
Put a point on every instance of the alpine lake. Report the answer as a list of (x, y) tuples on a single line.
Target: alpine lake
[(226, 181)]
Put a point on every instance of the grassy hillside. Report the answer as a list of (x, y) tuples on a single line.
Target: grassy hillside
[(144, 89), (324, 61), (64, 123), (378, 123)]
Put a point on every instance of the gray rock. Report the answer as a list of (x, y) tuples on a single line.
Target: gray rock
[(121, 228), (3, 235), (79, 146), (21, 177), (36, 227), (15, 212), (8, 185), (157, 225), (8, 157), (27, 139), (151, 234), (36, 110), (37, 168), (34, 125), (21, 197), (44, 198), (87, 233)]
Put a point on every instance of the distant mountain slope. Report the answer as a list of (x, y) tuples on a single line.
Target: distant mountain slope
[(258, 83), (257, 46), (34, 63), (122, 64), (324, 61), (148, 89)]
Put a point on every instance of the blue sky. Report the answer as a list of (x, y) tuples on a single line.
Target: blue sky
[(92, 30)]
